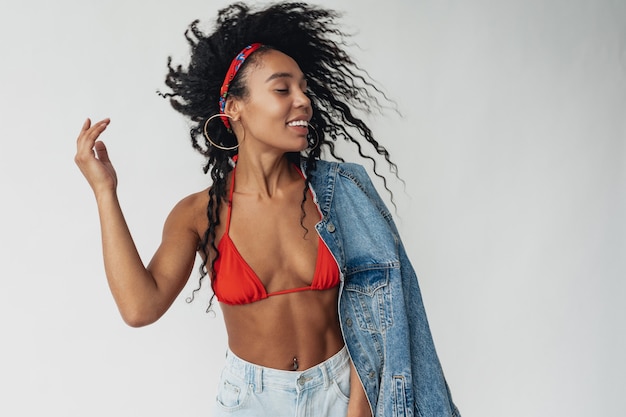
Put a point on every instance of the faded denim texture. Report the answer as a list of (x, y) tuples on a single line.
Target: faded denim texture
[(249, 390), (382, 315)]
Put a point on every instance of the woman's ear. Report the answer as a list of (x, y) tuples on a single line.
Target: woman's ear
[(233, 109)]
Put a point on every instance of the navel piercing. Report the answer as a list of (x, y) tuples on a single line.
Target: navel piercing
[(295, 363)]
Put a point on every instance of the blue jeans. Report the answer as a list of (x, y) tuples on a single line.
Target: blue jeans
[(249, 390)]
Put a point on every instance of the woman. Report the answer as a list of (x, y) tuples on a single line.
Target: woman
[(325, 324)]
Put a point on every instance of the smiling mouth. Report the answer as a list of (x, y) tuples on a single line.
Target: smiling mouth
[(298, 123)]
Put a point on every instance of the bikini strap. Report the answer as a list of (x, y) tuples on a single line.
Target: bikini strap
[(230, 200), (299, 171)]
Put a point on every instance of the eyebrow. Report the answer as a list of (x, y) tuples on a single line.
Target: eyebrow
[(282, 75)]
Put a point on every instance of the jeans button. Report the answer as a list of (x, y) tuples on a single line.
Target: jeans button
[(330, 227), (349, 322)]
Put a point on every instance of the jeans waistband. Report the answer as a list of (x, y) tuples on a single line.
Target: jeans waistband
[(260, 376)]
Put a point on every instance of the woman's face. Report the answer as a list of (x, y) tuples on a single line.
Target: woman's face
[(276, 111)]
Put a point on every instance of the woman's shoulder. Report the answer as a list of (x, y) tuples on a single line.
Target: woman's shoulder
[(190, 210), (194, 201)]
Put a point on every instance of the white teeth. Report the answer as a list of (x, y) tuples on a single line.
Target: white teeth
[(298, 123)]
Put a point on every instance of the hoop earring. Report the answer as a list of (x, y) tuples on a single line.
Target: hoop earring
[(206, 134), (317, 137)]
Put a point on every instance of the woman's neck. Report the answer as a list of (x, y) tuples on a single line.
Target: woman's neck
[(264, 174)]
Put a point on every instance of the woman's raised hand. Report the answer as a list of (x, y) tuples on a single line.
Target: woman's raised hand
[(92, 157)]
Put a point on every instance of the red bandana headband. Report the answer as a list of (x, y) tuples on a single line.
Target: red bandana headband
[(230, 74)]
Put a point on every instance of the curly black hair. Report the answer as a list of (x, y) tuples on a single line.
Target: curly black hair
[(336, 87)]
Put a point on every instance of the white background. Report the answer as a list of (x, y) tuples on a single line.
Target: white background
[(512, 142)]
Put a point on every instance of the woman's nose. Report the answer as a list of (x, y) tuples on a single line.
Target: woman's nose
[(302, 100)]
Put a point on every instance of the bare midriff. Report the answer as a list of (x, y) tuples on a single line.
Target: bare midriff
[(272, 332)]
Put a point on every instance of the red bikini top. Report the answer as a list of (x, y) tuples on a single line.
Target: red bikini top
[(236, 283)]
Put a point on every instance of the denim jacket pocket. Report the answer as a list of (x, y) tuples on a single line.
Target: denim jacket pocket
[(370, 295)]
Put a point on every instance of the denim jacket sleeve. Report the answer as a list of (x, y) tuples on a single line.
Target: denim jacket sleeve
[(381, 311)]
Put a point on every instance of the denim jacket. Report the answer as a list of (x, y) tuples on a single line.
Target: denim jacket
[(381, 311)]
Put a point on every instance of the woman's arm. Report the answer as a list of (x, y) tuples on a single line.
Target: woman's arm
[(358, 406), (141, 294)]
